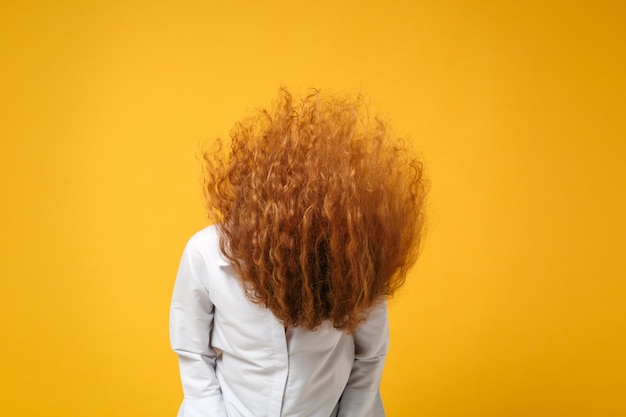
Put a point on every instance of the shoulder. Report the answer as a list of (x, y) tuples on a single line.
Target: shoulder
[(208, 235), (206, 244)]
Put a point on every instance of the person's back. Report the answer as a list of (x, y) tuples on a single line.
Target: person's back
[(279, 308)]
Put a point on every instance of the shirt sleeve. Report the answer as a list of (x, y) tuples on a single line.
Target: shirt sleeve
[(191, 321), (361, 396)]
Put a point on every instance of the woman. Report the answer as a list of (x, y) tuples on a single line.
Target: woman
[(279, 308)]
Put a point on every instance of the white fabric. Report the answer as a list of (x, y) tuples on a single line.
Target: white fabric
[(237, 360)]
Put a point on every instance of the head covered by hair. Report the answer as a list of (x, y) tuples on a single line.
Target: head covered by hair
[(319, 209)]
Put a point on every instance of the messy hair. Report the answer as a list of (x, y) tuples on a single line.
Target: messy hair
[(319, 209)]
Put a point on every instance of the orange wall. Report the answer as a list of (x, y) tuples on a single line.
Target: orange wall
[(518, 305)]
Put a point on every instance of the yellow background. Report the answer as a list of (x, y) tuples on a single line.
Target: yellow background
[(518, 305)]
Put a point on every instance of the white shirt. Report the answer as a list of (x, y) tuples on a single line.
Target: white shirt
[(237, 360)]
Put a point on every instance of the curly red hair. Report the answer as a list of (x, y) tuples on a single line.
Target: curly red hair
[(319, 209)]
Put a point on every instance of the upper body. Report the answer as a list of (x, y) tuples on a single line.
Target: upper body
[(238, 360), (279, 309)]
